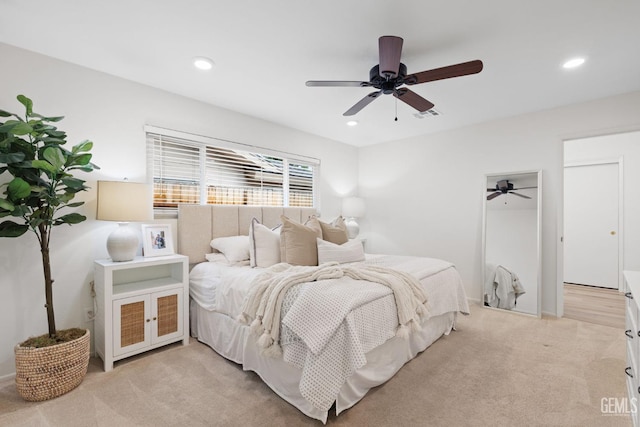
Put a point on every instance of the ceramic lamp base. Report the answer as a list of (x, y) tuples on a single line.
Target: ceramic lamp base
[(122, 244), (352, 227)]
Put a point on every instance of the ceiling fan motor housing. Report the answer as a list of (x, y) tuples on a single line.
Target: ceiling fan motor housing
[(387, 85)]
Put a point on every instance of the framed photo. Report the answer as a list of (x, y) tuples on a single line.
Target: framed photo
[(157, 240)]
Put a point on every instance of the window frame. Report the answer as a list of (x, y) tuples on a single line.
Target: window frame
[(201, 142)]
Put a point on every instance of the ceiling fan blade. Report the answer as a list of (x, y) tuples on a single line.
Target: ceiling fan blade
[(337, 83), (519, 195), (494, 195), (413, 99), (524, 188), (362, 103), (457, 70), (390, 48)]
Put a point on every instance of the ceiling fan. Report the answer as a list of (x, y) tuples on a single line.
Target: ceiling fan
[(505, 187), (390, 74)]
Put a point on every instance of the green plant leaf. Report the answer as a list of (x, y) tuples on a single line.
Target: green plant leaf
[(56, 133), (43, 165), (21, 128), (72, 218), (75, 183), (54, 156), (74, 205), (52, 140), (18, 189), (11, 229), (6, 114), (87, 168), (11, 157), (6, 205), (7, 127), (82, 147), (21, 211), (27, 103), (79, 159), (48, 119)]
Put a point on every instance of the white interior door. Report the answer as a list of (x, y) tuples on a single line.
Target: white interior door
[(591, 204)]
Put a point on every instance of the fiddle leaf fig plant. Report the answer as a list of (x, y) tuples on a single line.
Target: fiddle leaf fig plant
[(36, 172)]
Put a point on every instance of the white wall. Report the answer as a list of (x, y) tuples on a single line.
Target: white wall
[(612, 147), (112, 112), (424, 194)]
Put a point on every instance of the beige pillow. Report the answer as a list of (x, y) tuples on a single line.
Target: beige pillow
[(336, 232), (298, 243), (314, 224)]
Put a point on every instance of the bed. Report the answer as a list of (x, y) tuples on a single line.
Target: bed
[(315, 362)]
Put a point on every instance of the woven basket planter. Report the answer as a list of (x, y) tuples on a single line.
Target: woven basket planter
[(48, 372)]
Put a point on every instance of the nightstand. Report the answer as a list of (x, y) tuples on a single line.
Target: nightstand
[(632, 331), (141, 305)]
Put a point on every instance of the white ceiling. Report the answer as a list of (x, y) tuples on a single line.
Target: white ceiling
[(265, 51)]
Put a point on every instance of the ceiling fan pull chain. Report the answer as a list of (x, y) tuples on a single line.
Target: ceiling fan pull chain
[(396, 110)]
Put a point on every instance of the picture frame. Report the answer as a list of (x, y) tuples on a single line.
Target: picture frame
[(157, 240)]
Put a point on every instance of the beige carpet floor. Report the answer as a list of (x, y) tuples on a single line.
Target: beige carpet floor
[(497, 369)]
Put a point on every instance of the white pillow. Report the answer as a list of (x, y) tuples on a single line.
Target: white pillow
[(235, 248), (352, 251), (264, 244), (221, 259)]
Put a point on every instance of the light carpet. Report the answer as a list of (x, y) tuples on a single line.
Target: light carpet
[(498, 369)]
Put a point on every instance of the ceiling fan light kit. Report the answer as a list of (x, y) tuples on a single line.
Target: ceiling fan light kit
[(390, 75)]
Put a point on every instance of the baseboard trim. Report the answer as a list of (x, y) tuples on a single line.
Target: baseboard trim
[(8, 377)]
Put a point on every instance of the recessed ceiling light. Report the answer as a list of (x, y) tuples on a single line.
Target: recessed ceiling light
[(352, 123), (202, 63), (573, 63)]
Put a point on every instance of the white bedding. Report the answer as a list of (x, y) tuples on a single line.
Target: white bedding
[(325, 371)]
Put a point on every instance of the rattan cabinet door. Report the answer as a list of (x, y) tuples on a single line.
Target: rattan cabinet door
[(131, 324), (167, 315)]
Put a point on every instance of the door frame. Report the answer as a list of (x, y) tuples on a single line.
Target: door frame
[(560, 251)]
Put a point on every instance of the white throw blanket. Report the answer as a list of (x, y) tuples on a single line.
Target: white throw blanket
[(264, 303)]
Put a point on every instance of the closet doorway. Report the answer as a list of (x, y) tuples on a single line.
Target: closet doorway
[(593, 235), (591, 224)]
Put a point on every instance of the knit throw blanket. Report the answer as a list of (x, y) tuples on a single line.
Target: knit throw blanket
[(262, 309)]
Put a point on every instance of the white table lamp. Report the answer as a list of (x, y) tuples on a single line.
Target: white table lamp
[(124, 201), (352, 208)]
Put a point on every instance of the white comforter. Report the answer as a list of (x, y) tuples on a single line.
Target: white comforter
[(326, 367)]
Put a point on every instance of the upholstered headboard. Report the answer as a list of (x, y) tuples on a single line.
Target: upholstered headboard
[(199, 224)]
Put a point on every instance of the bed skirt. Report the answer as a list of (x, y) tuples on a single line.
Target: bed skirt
[(232, 341)]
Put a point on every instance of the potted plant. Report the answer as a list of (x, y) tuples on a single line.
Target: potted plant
[(39, 185)]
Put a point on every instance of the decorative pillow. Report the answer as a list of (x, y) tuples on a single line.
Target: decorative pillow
[(221, 259), (336, 232), (216, 257), (313, 223), (298, 243), (264, 244), (235, 248), (351, 251)]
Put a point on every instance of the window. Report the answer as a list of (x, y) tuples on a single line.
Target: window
[(194, 169)]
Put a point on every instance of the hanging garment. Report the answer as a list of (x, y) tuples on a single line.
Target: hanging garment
[(503, 289)]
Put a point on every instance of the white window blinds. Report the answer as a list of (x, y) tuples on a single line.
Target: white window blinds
[(186, 169)]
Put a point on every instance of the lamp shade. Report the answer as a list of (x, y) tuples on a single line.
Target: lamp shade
[(124, 201), (353, 207)]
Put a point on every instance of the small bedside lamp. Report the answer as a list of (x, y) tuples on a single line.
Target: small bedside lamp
[(352, 208), (124, 201)]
